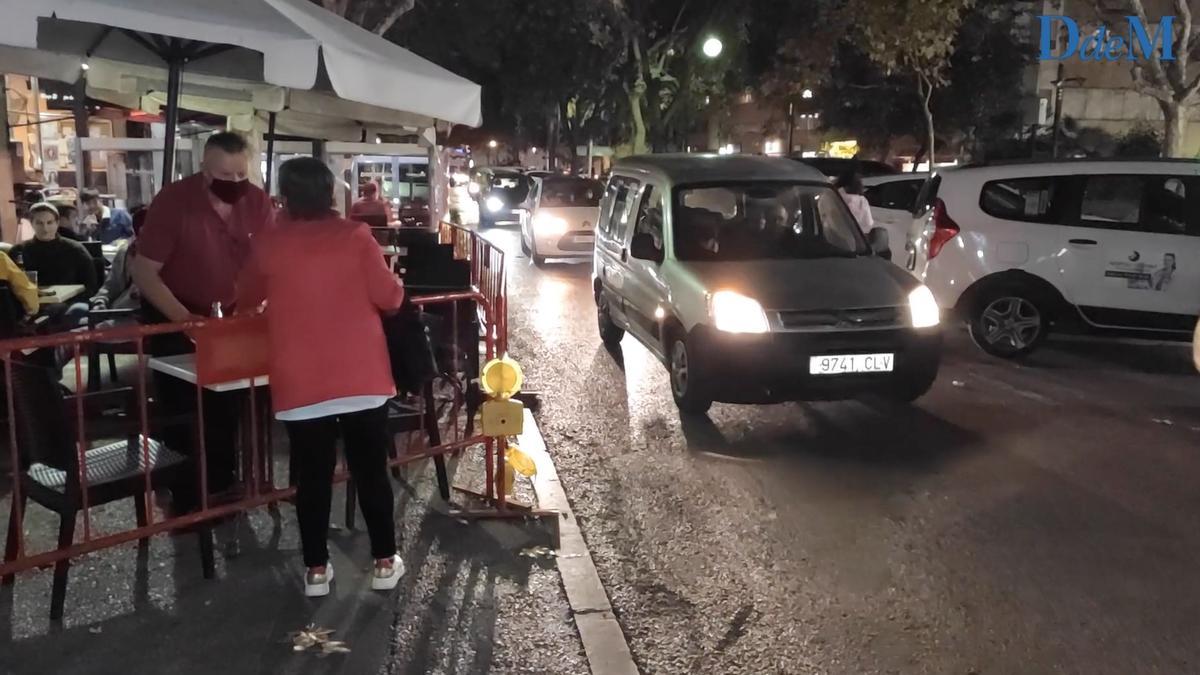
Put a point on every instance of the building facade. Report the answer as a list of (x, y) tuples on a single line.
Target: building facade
[(1099, 94)]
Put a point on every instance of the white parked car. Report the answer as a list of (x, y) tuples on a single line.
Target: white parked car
[(562, 223), (1109, 246), (892, 198)]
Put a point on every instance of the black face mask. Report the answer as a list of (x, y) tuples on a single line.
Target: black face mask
[(229, 191)]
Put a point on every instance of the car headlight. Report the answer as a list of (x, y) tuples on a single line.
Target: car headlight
[(494, 204), (924, 308), (549, 225), (735, 313)]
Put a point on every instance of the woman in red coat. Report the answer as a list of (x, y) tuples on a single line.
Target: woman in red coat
[(325, 284)]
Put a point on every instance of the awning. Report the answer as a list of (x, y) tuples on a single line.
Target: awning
[(292, 44)]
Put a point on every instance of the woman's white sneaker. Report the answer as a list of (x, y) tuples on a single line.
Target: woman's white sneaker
[(316, 583), (387, 576)]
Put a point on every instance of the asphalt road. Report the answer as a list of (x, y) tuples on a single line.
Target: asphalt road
[(1039, 517)]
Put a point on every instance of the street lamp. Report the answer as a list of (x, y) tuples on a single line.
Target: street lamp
[(712, 47), (806, 94), (1058, 100), (492, 152)]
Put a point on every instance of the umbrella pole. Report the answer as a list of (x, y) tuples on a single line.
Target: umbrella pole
[(174, 75), (270, 150)]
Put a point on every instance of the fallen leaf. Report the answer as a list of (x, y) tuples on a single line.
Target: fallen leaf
[(538, 552), (312, 637)]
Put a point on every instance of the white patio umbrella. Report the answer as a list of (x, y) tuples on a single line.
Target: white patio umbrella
[(292, 44)]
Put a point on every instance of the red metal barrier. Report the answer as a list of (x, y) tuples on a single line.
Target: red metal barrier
[(230, 354)]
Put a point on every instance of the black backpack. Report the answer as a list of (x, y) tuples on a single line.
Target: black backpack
[(410, 348)]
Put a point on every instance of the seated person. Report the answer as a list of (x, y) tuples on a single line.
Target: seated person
[(118, 291), (68, 222), (57, 261), (371, 204), (102, 223), (697, 234)]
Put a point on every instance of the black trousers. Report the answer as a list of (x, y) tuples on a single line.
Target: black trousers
[(222, 412), (365, 442)]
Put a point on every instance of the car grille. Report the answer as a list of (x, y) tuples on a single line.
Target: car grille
[(874, 318)]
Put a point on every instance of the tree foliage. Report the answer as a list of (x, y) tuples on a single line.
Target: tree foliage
[(913, 38), (667, 82), (1174, 85)]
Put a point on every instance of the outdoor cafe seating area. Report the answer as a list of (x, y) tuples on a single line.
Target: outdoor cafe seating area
[(121, 426)]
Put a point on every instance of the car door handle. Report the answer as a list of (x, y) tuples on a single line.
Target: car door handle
[(1082, 242)]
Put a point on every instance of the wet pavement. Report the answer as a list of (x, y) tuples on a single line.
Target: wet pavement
[(469, 602), (1039, 517)]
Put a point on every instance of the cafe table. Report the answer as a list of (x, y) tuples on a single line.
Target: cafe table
[(51, 295), (183, 367)]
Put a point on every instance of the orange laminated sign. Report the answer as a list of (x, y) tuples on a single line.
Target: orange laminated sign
[(231, 350)]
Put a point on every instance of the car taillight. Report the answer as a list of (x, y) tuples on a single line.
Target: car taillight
[(944, 229)]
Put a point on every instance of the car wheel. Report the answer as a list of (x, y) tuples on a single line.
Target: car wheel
[(610, 332), (524, 245), (1009, 323), (687, 384)]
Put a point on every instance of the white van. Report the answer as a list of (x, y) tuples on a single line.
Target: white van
[(750, 280), (892, 198), (1016, 249)]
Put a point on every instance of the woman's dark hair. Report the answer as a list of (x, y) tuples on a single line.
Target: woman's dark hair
[(851, 182), (306, 185)]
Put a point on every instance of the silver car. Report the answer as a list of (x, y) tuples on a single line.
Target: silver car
[(750, 280)]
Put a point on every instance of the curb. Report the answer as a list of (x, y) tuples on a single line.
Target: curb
[(603, 640)]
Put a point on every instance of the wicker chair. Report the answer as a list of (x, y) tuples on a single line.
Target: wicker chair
[(49, 471)]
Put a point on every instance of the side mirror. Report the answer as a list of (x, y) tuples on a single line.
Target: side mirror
[(877, 238), (642, 247)]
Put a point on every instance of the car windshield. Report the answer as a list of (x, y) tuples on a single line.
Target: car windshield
[(557, 193), (760, 221), (511, 187)]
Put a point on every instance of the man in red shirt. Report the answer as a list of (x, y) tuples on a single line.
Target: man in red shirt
[(371, 207), (197, 234), (191, 250)]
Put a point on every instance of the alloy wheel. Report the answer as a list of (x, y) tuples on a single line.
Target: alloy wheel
[(1012, 322), (679, 369)]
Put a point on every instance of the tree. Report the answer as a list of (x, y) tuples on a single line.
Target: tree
[(377, 16), (561, 78), (858, 98), (667, 82), (913, 38), (786, 56), (988, 64), (1174, 85)]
